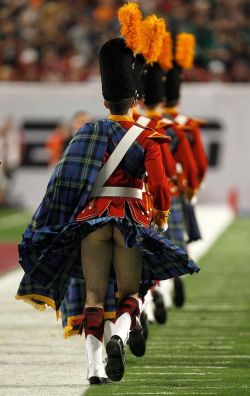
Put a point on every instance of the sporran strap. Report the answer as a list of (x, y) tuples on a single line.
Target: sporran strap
[(117, 155)]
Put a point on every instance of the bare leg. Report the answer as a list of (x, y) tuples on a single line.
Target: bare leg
[(96, 260), (127, 264)]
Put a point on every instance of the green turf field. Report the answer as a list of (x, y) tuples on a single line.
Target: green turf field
[(204, 349)]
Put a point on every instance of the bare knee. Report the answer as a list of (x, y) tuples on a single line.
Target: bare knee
[(96, 253)]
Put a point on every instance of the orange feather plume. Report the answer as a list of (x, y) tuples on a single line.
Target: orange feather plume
[(130, 18), (185, 50), (153, 30), (165, 59)]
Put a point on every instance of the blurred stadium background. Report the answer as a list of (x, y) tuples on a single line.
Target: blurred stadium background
[(49, 71)]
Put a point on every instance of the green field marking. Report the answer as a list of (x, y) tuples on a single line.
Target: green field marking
[(204, 349), (12, 224)]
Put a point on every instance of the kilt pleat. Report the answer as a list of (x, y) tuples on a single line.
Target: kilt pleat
[(191, 223), (176, 225)]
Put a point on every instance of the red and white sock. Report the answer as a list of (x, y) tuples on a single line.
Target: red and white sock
[(109, 326), (148, 306), (127, 311), (93, 323)]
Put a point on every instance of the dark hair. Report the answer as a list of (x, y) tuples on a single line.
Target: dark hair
[(172, 86), (120, 106), (171, 103)]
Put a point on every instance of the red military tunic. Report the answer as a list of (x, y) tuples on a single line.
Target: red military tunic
[(192, 126), (197, 146), (184, 155), (169, 162), (157, 182)]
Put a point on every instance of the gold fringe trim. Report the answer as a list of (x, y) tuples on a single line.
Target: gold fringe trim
[(28, 300), (68, 332), (109, 315), (40, 307), (71, 319), (68, 329)]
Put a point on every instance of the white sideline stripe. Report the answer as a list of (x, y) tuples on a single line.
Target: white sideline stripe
[(36, 330), (213, 220), (11, 221)]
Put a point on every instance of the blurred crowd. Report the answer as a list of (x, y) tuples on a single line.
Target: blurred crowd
[(43, 40)]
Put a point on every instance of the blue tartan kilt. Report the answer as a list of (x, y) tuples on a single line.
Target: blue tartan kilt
[(53, 261), (176, 225), (191, 223)]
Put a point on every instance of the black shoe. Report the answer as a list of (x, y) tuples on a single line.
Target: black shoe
[(136, 340), (179, 293), (98, 381), (160, 311), (144, 324), (115, 358)]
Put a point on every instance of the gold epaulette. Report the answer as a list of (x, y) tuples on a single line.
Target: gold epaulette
[(164, 123), (157, 135), (184, 128), (198, 121)]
